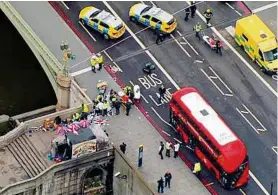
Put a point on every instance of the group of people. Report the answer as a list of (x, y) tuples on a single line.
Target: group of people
[(96, 62), (167, 147), (168, 177)]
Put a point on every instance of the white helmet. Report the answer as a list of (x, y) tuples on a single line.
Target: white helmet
[(98, 54), (94, 57)]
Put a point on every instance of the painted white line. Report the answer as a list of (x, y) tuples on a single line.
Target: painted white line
[(213, 77), (120, 70), (238, 55), (65, 5), (162, 118), (179, 141), (182, 48), (199, 61), (254, 117), (238, 13), (183, 43), (220, 79), (212, 82), (188, 42), (153, 3), (264, 7), (227, 94), (81, 71), (143, 46), (259, 183), (242, 192), (87, 31), (230, 6), (247, 121), (275, 149), (166, 133), (244, 112)]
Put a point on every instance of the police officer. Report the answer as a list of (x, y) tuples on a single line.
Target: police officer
[(99, 61), (168, 177), (162, 91), (197, 169), (105, 107), (160, 37), (198, 28), (160, 186), (187, 12), (208, 14), (94, 62), (193, 8)]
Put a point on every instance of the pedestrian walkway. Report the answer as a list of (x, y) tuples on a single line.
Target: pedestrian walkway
[(134, 129)]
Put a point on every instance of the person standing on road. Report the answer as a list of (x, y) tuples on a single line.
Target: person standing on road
[(99, 61), (160, 37), (193, 8), (161, 148), (168, 177), (160, 185), (218, 47), (94, 62), (187, 12), (99, 107), (208, 14), (123, 147), (128, 107), (198, 28), (162, 91), (105, 108), (176, 149), (167, 147)]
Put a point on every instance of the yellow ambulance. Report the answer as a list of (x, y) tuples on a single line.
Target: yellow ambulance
[(258, 42)]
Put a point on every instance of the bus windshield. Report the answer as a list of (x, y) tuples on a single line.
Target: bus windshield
[(271, 55)]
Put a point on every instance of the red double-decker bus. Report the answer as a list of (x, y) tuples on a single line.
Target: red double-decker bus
[(212, 140)]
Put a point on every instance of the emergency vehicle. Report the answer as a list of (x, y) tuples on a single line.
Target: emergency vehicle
[(258, 42), (153, 17), (102, 21), (211, 139)]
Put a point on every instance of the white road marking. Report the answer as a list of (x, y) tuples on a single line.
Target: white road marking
[(221, 80), (275, 149), (81, 71), (87, 31), (120, 70), (143, 47), (198, 61), (231, 30), (265, 7), (230, 6), (247, 121), (238, 55), (153, 3), (180, 142), (264, 129), (259, 183), (212, 82), (65, 5), (188, 42), (162, 118), (183, 43), (238, 13), (182, 48), (242, 192), (166, 133)]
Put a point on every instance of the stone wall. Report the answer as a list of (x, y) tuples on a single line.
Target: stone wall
[(134, 184)]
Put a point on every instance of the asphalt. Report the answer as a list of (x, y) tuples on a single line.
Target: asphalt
[(246, 88)]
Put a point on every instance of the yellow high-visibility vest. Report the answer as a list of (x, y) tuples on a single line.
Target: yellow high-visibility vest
[(100, 59), (197, 167), (106, 105), (93, 62)]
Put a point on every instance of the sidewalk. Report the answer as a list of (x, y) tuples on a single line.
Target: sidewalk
[(133, 130)]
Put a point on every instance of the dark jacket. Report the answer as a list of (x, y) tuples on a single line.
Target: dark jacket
[(168, 176), (162, 90), (187, 10), (118, 104), (160, 182)]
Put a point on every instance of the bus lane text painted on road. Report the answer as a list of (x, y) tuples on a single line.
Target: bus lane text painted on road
[(153, 81)]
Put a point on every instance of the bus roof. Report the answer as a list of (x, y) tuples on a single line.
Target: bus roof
[(256, 28), (213, 126)]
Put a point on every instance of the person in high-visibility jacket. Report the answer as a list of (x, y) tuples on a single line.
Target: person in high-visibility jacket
[(99, 61), (99, 98), (198, 28), (208, 14), (94, 62), (75, 117), (197, 169), (84, 109), (127, 89), (106, 105)]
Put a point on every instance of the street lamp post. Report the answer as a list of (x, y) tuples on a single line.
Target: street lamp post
[(67, 54)]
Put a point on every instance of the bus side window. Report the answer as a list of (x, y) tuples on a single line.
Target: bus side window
[(261, 55), (246, 39)]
